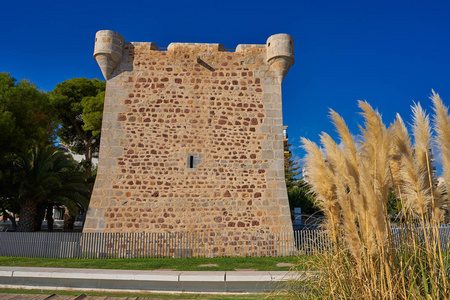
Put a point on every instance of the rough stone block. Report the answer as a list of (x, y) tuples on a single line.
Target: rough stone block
[(90, 223), (116, 151), (267, 154)]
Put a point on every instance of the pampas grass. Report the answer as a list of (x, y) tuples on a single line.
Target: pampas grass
[(441, 121), (352, 182)]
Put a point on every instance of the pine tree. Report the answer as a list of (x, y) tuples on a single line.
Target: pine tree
[(290, 169), (297, 189)]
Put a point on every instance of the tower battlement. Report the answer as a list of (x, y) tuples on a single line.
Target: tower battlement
[(109, 48), (192, 141), (280, 54), (108, 51)]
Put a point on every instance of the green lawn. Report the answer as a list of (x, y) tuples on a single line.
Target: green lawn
[(179, 264)]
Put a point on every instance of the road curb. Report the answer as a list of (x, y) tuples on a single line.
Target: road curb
[(145, 281)]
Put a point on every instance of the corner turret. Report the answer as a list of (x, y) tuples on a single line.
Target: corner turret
[(280, 54), (108, 51)]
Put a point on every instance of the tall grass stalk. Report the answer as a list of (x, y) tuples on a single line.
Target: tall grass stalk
[(352, 181)]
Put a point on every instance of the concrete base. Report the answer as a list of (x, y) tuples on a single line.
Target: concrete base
[(139, 281)]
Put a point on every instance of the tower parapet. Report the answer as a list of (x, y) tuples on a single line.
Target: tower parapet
[(108, 51), (280, 54), (208, 46)]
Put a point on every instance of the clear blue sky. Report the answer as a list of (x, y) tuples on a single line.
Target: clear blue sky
[(389, 53)]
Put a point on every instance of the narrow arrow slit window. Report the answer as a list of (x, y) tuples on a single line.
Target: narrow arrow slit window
[(193, 160)]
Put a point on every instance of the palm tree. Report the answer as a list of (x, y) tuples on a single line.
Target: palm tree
[(47, 176)]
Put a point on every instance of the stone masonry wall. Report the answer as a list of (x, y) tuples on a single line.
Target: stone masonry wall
[(191, 142)]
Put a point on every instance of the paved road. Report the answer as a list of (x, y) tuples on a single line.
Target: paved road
[(63, 297)]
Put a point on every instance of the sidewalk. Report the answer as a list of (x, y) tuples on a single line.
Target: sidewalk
[(155, 281)]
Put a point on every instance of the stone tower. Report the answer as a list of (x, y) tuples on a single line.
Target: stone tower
[(192, 138)]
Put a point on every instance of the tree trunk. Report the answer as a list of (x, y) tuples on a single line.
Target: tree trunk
[(40, 216), (88, 157), (49, 217), (87, 144), (27, 220), (69, 221)]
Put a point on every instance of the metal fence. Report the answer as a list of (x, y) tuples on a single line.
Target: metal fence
[(177, 245), (422, 235), (149, 245)]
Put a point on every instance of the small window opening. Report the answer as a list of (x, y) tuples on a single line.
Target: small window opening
[(191, 161)]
